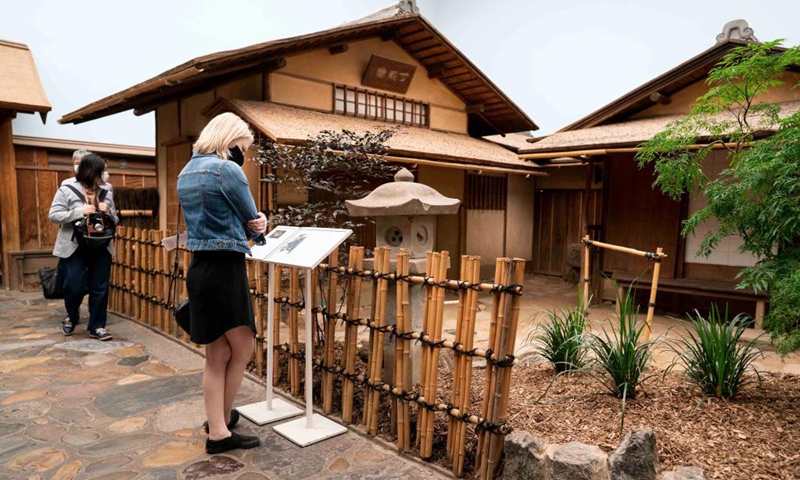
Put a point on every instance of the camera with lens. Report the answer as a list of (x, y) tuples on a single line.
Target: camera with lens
[(94, 224)]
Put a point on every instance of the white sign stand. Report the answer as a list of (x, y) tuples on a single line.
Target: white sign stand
[(305, 248), (273, 409)]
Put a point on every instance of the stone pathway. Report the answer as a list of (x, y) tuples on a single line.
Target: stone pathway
[(132, 409)]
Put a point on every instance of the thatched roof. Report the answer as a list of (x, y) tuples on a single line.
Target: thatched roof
[(293, 126), (623, 134), (20, 87), (494, 112), (513, 141)]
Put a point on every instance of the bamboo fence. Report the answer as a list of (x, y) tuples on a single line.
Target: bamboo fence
[(140, 280)]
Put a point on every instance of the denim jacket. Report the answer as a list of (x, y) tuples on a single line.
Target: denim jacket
[(217, 204)]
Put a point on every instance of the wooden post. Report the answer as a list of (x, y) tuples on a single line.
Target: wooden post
[(651, 307), (458, 359), (330, 334), (586, 272), (431, 267), (128, 259), (761, 308), (9, 201), (426, 448)]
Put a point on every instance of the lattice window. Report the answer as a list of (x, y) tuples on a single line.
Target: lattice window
[(356, 102), (486, 192)]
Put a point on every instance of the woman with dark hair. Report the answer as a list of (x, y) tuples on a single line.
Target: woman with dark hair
[(82, 265)]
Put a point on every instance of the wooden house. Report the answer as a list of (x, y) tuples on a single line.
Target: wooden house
[(392, 67), (595, 186), (20, 92)]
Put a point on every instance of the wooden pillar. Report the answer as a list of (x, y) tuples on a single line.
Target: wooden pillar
[(9, 204)]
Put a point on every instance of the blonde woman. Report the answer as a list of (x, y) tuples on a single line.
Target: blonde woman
[(220, 217)]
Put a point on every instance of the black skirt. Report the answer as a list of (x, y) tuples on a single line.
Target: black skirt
[(219, 295)]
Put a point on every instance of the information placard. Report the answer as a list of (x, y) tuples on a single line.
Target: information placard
[(277, 237), (303, 247)]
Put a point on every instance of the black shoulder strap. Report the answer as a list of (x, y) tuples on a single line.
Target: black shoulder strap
[(77, 192), (102, 194)]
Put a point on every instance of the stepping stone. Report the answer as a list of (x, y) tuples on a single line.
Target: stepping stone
[(92, 346), (112, 463), (80, 437), (129, 400), (160, 474), (133, 361), (286, 460), (175, 453), (18, 345), (25, 410), (112, 446), (40, 460), (45, 433), (216, 465)]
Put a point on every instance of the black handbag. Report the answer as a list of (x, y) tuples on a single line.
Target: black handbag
[(180, 311), (52, 284)]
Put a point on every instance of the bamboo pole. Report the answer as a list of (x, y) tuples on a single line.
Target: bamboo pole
[(276, 332), (187, 260), (585, 272), (166, 267), (260, 314), (147, 276), (487, 405), (457, 359), (158, 284), (630, 251), (502, 389), (431, 266), (380, 321), (356, 261), (466, 382), (402, 354), (426, 449), (137, 276), (370, 357), (128, 258), (294, 364), (651, 307), (330, 335)]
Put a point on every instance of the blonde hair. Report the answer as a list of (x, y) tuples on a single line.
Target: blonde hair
[(221, 131)]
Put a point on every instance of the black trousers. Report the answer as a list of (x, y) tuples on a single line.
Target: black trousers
[(87, 270)]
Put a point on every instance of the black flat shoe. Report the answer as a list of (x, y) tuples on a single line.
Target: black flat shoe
[(231, 423), (231, 443)]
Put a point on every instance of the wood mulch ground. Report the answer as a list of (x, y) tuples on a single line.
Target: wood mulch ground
[(754, 437)]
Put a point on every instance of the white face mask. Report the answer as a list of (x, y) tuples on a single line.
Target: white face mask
[(75, 167), (105, 176)]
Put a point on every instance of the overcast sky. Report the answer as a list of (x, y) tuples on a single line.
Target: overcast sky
[(557, 59)]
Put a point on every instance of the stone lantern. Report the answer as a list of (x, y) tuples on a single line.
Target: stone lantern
[(405, 217)]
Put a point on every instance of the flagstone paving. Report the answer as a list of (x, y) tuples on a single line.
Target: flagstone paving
[(132, 409)]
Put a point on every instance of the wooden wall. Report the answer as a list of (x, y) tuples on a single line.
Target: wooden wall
[(639, 217), (37, 175)]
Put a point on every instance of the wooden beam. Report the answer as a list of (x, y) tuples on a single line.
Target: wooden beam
[(390, 35), (436, 71), (658, 97), (609, 151), (9, 203), (338, 48), (479, 108)]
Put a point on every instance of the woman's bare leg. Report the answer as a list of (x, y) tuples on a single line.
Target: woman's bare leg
[(218, 357), (241, 346)]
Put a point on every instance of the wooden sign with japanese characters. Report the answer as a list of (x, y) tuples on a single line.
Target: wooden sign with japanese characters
[(388, 74)]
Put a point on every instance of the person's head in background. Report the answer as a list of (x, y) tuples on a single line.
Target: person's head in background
[(77, 156)]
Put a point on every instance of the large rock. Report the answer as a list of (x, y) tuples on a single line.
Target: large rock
[(577, 461), (525, 457), (685, 473), (636, 458)]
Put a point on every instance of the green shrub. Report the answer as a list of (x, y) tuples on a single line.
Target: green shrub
[(618, 355), (783, 319), (562, 340), (712, 356)]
